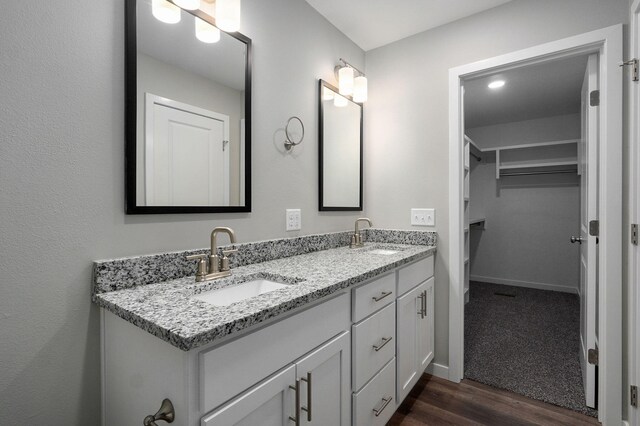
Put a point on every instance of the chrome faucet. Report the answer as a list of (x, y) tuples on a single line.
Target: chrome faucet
[(356, 238), (216, 267)]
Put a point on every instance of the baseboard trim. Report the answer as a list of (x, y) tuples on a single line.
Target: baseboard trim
[(438, 370), (527, 284)]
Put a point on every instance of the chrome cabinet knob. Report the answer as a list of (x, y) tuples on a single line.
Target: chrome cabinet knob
[(576, 240)]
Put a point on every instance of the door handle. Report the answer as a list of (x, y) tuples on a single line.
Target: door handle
[(578, 240), (296, 389), (308, 407)]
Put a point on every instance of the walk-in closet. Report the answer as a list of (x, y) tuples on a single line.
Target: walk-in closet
[(525, 157)]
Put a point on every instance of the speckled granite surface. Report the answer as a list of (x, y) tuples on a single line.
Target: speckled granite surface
[(166, 309)]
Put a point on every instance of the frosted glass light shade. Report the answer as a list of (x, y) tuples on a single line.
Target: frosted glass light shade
[(165, 12), (228, 15), (345, 81), (360, 89), (188, 4), (205, 32), (327, 94), (340, 101)]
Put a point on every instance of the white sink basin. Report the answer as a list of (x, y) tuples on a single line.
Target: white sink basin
[(237, 292), (384, 252)]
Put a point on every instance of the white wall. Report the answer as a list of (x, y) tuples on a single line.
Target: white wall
[(406, 118), (529, 220), (166, 80), (62, 181)]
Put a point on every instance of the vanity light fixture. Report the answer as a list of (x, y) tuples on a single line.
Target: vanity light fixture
[(188, 4), (205, 32), (496, 84), (349, 84), (228, 15), (165, 11), (327, 94)]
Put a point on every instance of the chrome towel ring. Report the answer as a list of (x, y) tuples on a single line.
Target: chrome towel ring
[(288, 143)]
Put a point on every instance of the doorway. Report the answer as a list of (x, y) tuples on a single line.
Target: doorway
[(607, 44)]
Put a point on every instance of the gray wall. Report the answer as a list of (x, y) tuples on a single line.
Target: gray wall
[(62, 180), (406, 118), (528, 219)]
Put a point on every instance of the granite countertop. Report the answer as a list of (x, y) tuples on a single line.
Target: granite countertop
[(167, 310)]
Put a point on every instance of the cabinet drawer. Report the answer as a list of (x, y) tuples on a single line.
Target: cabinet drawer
[(371, 297), (374, 404), (412, 275), (229, 369), (374, 344)]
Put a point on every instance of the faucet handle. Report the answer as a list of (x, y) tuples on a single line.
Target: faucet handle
[(202, 265)]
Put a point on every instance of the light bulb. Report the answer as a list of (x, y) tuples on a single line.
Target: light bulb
[(360, 89), (165, 12), (345, 81), (327, 94), (188, 4), (340, 101), (205, 32), (228, 15)]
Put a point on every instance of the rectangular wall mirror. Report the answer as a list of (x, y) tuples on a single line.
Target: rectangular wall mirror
[(340, 151), (188, 114)]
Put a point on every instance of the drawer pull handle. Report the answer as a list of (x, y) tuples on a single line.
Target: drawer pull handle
[(308, 407), (385, 340), (423, 304), (296, 388), (385, 402), (382, 296)]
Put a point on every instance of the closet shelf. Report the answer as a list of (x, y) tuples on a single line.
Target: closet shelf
[(477, 223)]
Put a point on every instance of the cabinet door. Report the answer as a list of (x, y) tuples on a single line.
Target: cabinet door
[(409, 328), (269, 403), (425, 329), (325, 385)]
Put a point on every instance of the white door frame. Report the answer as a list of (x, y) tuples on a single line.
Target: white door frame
[(607, 43), (634, 216)]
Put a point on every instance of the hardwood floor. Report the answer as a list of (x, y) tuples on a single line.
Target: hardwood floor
[(435, 401)]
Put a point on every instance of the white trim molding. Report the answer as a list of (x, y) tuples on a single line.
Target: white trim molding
[(607, 43), (438, 370), (525, 284)]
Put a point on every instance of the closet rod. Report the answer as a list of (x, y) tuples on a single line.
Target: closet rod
[(549, 172), (477, 157)]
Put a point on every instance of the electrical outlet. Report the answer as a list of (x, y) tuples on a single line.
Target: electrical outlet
[(294, 219), (423, 217)]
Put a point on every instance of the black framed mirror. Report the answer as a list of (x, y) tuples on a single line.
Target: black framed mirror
[(340, 142), (188, 113)]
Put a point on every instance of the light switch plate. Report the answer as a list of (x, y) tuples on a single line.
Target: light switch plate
[(423, 217), (294, 220)]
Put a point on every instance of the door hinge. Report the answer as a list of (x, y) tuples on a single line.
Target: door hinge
[(633, 63), (633, 396), (594, 228), (594, 98), (592, 356), (634, 234)]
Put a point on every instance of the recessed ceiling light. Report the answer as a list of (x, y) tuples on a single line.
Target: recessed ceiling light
[(496, 84)]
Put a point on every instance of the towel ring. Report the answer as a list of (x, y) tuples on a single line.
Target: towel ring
[(288, 143)]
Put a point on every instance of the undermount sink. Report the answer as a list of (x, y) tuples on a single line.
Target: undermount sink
[(384, 250), (238, 292)]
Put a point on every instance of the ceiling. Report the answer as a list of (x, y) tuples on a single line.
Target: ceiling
[(375, 23), (530, 92)]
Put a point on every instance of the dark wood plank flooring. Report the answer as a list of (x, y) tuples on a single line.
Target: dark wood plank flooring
[(435, 401)]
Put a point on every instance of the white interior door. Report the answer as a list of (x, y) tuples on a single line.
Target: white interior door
[(588, 243), (186, 157)]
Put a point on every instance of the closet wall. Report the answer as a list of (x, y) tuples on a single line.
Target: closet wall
[(529, 219)]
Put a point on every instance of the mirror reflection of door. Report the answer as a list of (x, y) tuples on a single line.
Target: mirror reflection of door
[(186, 154)]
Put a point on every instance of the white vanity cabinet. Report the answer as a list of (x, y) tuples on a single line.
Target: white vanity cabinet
[(313, 391), (350, 358), (415, 325)]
